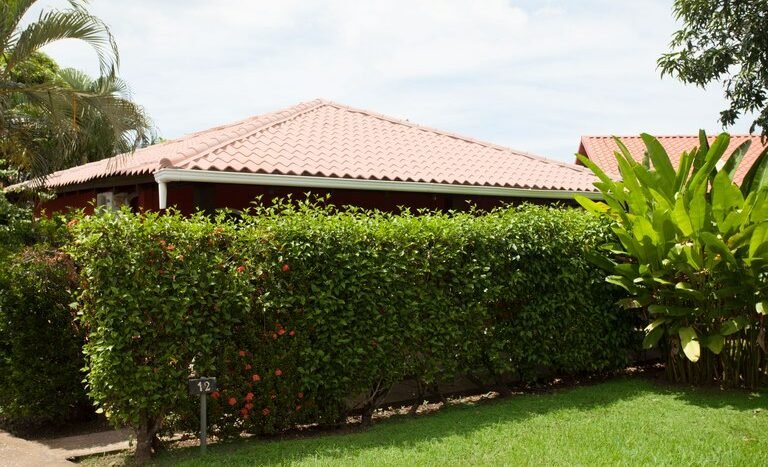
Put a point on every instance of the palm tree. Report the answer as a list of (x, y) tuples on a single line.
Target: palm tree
[(109, 122), (45, 125)]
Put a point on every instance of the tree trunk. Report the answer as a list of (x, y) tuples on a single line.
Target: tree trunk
[(146, 439), (367, 415), (374, 397), (419, 398)]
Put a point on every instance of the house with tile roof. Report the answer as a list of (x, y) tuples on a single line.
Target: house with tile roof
[(359, 157), (600, 149)]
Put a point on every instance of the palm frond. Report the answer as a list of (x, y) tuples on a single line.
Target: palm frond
[(54, 25)]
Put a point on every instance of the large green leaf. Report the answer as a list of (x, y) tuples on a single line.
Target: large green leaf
[(715, 343), (661, 162), (701, 153), (732, 164), (622, 282), (690, 343), (718, 246), (591, 206), (600, 260), (683, 170), (681, 217), (671, 310), (643, 229), (685, 289), (653, 333), (757, 174), (715, 153), (759, 239), (733, 325), (726, 196), (697, 208), (595, 169)]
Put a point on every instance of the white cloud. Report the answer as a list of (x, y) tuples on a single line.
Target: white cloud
[(534, 75)]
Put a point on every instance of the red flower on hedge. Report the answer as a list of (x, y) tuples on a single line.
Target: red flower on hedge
[(249, 406), (278, 372), (301, 395), (232, 401), (170, 248), (241, 353), (248, 366), (292, 333), (215, 394), (240, 268), (298, 407), (249, 397), (265, 411), (73, 222), (256, 378), (286, 268), (281, 331), (244, 412)]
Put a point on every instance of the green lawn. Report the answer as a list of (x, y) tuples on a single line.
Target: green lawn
[(630, 420)]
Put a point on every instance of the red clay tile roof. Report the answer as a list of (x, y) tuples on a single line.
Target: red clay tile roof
[(601, 148), (326, 139)]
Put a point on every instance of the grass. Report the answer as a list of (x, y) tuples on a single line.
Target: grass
[(624, 421)]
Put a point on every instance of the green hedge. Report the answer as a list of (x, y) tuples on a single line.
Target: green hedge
[(303, 313), (41, 346)]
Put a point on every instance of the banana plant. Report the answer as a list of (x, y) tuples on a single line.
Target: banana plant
[(692, 245)]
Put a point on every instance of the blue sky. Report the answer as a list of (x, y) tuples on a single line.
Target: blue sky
[(531, 75)]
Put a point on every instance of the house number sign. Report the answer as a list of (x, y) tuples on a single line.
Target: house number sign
[(202, 387), (198, 386)]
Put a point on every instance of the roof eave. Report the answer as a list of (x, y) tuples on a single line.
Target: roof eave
[(168, 175)]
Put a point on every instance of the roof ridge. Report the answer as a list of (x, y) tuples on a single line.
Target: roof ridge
[(456, 136), (293, 112)]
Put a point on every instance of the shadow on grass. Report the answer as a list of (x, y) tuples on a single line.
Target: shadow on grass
[(459, 420), (715, 398), (404, 432)]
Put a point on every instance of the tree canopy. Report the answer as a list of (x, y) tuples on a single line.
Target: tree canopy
[(52, 118), (724, 41)]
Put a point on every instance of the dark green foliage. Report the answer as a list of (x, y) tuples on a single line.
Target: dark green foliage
[(692, 252), (40, 368), (724, 41), (16, 226), (314, 312)]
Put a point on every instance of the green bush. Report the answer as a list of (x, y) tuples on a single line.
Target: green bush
[(304, 313), (692, 252), (16, 226), (40, 368)]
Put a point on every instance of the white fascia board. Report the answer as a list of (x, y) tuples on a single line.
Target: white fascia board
[(245, 178)]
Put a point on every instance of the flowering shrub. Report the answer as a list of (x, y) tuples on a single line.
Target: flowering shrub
[(303, 312)]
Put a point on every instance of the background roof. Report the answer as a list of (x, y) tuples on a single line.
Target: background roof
[(600, 149)]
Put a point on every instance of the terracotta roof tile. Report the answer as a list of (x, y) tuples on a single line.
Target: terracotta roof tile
[(600, 149), (326, 139)]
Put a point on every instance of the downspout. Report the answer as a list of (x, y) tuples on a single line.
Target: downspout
[(162, 194), (162, 185)]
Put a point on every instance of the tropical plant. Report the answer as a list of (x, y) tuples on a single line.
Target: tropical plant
[(116, 125), (44, 120), (692, 252)]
